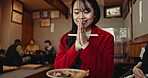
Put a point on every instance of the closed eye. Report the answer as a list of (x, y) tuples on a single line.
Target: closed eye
[(76, 12)]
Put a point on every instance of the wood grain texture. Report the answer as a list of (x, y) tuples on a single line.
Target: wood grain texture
[(27, 29), (133, 47)]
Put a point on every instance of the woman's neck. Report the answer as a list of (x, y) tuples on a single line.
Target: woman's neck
[(87, 29)]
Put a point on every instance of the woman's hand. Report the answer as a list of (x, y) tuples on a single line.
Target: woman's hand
[(138, 73), (81, 36)]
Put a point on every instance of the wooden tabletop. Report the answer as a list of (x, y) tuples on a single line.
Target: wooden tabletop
[(41, 74)]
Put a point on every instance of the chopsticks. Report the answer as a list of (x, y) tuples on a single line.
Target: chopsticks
[(86, 34)]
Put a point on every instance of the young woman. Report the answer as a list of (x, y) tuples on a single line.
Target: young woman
[(95, 53), (32, 47), (49, 49)]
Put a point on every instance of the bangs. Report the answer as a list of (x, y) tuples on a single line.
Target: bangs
[(82, 5)]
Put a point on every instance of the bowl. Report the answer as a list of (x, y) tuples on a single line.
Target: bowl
[(76, 71)]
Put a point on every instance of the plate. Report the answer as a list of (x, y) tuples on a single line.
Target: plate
[(50, 72)]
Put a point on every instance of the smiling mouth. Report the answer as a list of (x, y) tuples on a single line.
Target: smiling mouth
[(84, 21)]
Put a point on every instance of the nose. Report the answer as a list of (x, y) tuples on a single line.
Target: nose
[(81, 15)]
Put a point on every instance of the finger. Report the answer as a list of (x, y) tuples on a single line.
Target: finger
[(80, 30), (80, 23), (79, 27), (78, 33), (141, 72)]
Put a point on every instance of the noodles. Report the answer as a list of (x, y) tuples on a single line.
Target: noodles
[(71, 74)]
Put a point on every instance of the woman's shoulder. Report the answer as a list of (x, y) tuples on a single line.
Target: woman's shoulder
[(64, 36), (35, 45)]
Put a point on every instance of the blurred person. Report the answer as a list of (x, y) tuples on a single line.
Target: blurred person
[(49, 49), (32, 47), (15, 54), (141, 68)]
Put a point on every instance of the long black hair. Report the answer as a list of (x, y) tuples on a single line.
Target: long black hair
[(71, 40)]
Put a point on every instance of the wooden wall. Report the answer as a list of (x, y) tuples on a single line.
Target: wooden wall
[(27, 29), (133, 47)]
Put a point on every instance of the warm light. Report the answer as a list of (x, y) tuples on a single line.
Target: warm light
[(140, 12)]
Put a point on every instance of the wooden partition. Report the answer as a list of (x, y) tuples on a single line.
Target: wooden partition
[(133, 47), (27, 29)]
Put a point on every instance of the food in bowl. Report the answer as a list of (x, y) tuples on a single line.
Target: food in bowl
[(68, 73)]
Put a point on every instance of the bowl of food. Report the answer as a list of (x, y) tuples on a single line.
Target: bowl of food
[(67, 73)]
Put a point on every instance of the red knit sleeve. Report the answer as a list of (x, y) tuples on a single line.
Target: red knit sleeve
[(65, 58)]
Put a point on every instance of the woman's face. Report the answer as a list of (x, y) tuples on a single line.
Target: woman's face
[(47, 44), (31, 43), (81, 13)]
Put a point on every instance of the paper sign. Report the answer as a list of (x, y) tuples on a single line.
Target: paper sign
[(52, 27)]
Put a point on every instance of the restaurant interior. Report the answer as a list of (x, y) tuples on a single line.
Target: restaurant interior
[(43, 20)]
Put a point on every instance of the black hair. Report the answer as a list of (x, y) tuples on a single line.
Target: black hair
[(32, 40), (17, 41), (71, 40), (47, 41)]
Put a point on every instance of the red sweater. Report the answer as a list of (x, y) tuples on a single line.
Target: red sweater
[(98, 56)]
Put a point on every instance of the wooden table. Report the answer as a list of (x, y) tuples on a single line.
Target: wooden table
[(41, 74), (37, 58), (28, 73), (41, 58)]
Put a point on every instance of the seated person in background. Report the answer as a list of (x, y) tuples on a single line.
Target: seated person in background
[(15, 54), (32, 47), (50, 51), (48, 47), (142, 67), (2, 51)]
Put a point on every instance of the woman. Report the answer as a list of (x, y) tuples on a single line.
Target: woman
[(95, 53), (48, 47), (32, 47), (50, 51)]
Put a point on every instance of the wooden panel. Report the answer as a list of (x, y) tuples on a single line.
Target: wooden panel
[(134, 46), (141, 39), (138, 49), (34, 5), (27, 29), (112, 2), (143, 45), (135, 49)]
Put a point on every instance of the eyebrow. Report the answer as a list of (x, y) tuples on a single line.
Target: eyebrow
[(83, 9)]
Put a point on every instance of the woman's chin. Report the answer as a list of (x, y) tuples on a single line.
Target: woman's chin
[(85, 27)]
